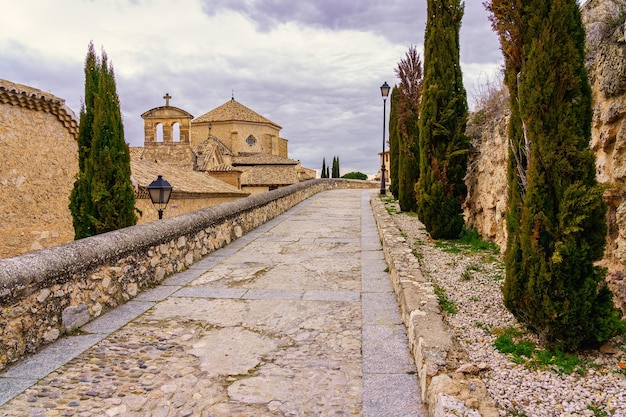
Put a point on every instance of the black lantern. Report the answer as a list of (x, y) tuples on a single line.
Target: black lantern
[(384, 90), (160, 192)]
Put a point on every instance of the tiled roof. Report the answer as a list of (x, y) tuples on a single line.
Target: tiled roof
[(269, 175), (233, 111), (262, 159), (223, 168), (206, 149), (136, 152), (183, 180), (35, 99)]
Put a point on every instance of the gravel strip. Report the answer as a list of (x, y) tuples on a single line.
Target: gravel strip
[(472, 281)]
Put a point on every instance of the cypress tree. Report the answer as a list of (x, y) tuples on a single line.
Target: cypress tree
[(394, 140), (408, 102), (556, 217), (103, 185), (443, 145), (81, 207), (323, 173), (335, 171)]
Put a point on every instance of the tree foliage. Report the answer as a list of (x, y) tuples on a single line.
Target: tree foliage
[(406, 100), (355, 176), (335, 168), (103, 198), (556, 215), (394, 142), (324, 173), (443, 145)]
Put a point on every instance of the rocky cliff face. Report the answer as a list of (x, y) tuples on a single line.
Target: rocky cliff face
[(606, 64)]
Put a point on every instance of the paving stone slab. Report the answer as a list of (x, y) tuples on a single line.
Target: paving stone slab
[(380, 309), (118, 317), (53, 356), (386, 350), (210, 292), (392, 395)]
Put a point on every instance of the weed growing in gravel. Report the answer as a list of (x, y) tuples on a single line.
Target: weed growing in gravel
[(485, 327), (445, 303), (598, 410), (525, 352), (469, 242)]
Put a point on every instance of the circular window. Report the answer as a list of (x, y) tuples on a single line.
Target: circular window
[(251, 140)]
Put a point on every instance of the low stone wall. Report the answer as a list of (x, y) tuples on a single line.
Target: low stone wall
[(48, 293), (444, 391)]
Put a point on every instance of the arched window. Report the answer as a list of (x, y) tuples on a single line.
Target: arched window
[(176, 132), (159, 132)]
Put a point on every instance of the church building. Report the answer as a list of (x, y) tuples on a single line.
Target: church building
[(228, 153)]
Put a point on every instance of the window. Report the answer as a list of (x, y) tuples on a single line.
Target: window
[(159, 132), (176, 132), (251, 140)]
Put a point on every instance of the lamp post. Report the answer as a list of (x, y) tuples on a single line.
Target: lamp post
[(384, 90), (160, 192)]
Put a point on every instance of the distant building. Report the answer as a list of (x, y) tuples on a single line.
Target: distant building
[(236, 150), (377, 177)]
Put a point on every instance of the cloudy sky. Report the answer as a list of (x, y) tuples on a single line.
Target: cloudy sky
[(314, 67)]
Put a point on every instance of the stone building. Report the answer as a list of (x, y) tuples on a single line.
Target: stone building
[(38, 164), (231, 143)]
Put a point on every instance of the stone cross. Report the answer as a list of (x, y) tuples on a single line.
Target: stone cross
[(167, 98)]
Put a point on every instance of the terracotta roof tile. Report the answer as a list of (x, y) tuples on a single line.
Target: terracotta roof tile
[(233, 111), (262, 159), (35, 99), (183, 180)]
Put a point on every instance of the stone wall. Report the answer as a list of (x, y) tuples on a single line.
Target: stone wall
[(48, 293), (35, 126), (445, 391), (487, 180)]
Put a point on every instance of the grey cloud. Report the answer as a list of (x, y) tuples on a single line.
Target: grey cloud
[(401, 21)]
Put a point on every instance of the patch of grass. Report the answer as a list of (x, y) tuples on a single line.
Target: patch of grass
[(598, 410), (469, 242), (515, 413), (466, 275), (75, 331), (445, 303), (524, 352), (484, 327)]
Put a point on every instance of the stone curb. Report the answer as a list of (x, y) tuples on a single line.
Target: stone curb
[(444, 391)]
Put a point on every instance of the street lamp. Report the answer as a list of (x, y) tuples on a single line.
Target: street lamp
[(160, 192), (384, 90)]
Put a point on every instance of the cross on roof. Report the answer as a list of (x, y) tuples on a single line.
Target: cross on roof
[(167, 98)]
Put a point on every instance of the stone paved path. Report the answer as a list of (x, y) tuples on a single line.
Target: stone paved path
[(297, 318)]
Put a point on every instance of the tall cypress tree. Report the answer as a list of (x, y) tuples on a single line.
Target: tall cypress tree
[(408, 102), (335, 171), (443, 145), (103, 198), (394, 141), (323, 173), (556, 216), (81, 206)]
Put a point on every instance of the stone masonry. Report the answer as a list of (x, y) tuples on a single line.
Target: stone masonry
[(48, 293)]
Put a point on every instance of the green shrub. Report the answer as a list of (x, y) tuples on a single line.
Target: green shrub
[(355, 176)]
